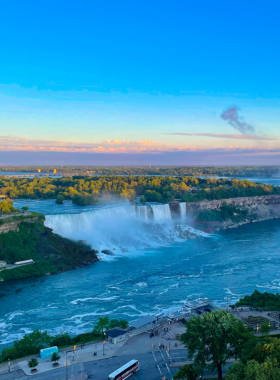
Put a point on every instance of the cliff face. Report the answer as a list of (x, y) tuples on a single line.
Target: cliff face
[(14, 225), (266, 200), (257, 209)]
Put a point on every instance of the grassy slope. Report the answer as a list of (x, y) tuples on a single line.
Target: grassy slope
[(51, 252)]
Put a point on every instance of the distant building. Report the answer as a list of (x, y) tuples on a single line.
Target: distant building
[(54, 170), (2, 196), (116, 335), (39, 170)]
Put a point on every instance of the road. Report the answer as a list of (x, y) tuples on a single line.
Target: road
[(153, 366), (75, 372)]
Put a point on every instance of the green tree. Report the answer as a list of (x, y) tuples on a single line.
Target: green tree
[(33, 363), (142, 199), (59, 199), (187, 372), (33, 343), (213, 339), (269, 370), (55, 357), (265, 328), (103, 323), (25, 208), (122, 323)]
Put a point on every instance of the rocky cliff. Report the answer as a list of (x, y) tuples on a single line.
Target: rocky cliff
[(256, 208), (272, 201), (9, 224)]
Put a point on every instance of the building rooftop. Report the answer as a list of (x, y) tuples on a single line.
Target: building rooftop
[(115, 332), (142, 321)]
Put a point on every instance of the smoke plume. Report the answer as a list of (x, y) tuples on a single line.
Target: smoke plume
[(231, 116)]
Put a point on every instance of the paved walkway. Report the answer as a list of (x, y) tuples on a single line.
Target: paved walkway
[(81, 355), (14, 375)]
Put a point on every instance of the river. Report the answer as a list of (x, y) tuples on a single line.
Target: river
[(139, 279)]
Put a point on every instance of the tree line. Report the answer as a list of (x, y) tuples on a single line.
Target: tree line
[(83, 190), (227, 171)]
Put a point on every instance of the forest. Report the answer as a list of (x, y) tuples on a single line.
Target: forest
[(227, 171), (83, 190)]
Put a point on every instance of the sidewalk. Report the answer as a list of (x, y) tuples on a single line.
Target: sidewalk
[(83, 355)]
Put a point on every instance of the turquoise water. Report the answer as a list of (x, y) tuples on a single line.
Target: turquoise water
[(230, 264)]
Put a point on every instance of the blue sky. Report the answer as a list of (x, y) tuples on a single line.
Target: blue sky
[(108, 82)]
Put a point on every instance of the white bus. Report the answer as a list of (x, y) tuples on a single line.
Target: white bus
[(24, 262), (125, 371)]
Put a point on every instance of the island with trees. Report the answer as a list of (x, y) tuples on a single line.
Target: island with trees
[(83, 190)]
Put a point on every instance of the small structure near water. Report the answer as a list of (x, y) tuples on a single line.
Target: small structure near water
[(116, 335)]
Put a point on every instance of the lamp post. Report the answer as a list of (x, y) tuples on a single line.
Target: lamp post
[(9, 366), (104, 341), (66, 366), (67, 363), (169, 354)]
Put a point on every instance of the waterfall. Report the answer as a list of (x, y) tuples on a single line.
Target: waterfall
[(142, 212), (120, 229), (183, 209), (161, 212)]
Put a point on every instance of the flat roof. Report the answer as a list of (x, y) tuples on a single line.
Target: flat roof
[(115, 332), (125, 366), (142, 321)]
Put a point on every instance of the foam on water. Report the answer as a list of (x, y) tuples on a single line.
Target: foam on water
[(124, 230), (173, 270)]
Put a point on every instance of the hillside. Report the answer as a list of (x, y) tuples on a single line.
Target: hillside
[(26, 237)]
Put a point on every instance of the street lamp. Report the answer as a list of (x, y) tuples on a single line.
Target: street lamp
[(104, 341), (67, 362)]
